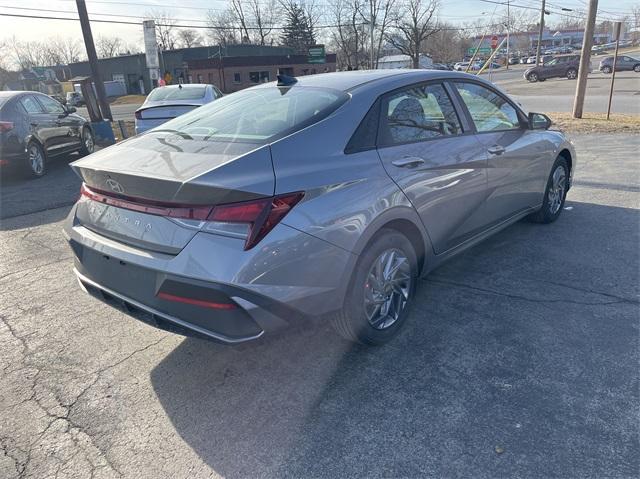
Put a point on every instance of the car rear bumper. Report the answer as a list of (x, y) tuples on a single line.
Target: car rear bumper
[(288, 278)]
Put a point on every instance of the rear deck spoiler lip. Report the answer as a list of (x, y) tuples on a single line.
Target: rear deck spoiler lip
[(171, 105)]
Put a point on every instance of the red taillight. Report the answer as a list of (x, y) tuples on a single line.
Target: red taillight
[(6, 126), (261, 215), (138, 114), (190, 212)]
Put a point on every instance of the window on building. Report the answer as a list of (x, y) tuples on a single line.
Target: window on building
[(199, 78), (288, 71), (237, 78), (259, 77)]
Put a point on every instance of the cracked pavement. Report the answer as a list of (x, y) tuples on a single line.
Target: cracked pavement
[(520, 359)]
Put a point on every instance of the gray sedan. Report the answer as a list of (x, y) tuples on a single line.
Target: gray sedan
[(325, 197)]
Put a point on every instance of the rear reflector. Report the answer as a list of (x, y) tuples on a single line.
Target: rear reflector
[(195, 302), (261, 215), (5, 126)]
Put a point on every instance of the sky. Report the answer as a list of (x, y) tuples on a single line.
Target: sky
[(195, 11)]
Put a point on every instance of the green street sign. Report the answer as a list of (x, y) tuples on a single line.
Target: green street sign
[(317, 54), (481, 51)]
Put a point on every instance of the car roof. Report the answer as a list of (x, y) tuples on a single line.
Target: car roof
[(350, 80)]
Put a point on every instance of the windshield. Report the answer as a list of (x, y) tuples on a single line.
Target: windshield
[(256, 115), (165, 93)]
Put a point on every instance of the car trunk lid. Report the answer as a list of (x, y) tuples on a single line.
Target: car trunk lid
[(160, 172)]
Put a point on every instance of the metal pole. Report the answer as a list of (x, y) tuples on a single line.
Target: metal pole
[(540, 33), (93, 59), (371, 29), (615, 59), (585, 59), (508, 28)]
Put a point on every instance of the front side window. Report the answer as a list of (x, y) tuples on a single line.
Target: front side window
[(489, 110), (417, 114), (255, 115), (30, 104), (51, 106)]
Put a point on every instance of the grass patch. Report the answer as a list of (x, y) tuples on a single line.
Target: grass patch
[(597, 123), (128, 99)]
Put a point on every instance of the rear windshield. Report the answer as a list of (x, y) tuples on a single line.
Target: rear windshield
[(256, 115), (164, 93)]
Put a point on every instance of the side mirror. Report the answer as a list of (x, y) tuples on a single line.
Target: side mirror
[(71, 109), (539, 121)]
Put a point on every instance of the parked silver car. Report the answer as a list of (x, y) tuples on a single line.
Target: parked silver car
[(168, 102), (325, 197)]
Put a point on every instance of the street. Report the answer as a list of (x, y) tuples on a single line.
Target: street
[(519, 359)]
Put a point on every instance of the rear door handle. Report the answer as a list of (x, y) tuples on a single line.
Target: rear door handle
[(496, 150), (408, 162)]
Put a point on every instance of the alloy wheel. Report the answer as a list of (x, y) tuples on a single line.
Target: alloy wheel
[(533, 77), (387, 288), (557, 189), (572, 74), (88, 141), (36, 159)]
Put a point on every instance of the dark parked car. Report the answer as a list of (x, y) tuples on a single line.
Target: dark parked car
[(624, 63), (34, 127), (565, 66)]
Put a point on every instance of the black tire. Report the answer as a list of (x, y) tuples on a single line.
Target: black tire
[(32, 166), (88, 142), (532, 77), (542, 79), (352, 322), (636, 68), (572, 74), (606, 70), (548, 214)]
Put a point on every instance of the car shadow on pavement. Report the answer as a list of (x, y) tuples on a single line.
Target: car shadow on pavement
[(21, 195), (519, 359)]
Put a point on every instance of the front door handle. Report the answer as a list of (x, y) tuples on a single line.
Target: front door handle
[(496, 150), (408, 162), (34, 124)]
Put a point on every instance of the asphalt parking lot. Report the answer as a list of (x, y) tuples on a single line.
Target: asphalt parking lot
[(520, 359)]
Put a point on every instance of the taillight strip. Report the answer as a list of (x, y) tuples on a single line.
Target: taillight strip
[(194, 212)]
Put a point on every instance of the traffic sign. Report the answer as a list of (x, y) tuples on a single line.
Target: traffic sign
[(494, 42), (481, 51)]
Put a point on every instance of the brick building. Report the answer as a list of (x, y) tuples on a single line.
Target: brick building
[(231, 74)]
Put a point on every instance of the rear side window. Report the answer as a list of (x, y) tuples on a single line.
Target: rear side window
[(30, 104), (417, 114), (170, 93), (489, 110)]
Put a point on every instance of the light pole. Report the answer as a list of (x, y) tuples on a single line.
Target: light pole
[(508, 29)]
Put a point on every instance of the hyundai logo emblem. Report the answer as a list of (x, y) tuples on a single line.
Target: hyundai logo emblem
[(115, 186)]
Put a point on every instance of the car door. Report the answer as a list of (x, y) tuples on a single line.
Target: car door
[(438, 164), (517, 157), (66, 134), (40, 125), (626, 63)]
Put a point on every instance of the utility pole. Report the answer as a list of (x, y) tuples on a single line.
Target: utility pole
[(508, 29), (585, 59), (93, 59), (371, 30), (540, 33), (618, 26)]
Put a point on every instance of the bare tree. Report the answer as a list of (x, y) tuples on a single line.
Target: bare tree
[(448, 44), (29, 54), (381, 14), (189, 38), (242, 18), (222, 28), (263, 18), (350, 34), (166, 34), (108, 47), (415, 23)]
